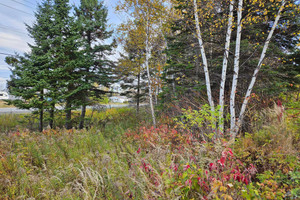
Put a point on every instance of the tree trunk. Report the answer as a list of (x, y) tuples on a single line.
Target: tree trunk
[(254, 76), (174, 88), (224, 68), (155, 95), (82, 116), (236, 67), (68, 124), (51, 122), (83, 108), (138, 95), (148, 73), (41, 118), (204, 59)]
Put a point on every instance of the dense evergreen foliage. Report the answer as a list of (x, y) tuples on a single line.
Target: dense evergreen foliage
[(66, 61), (91, 18)]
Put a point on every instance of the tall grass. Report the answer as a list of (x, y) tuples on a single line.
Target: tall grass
[(109, 161), (67, 164), (13, 122), (94, 118)]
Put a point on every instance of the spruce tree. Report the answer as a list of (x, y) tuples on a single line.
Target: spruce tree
[(91, 18), (27, 84), (29, 79), (67, 58)]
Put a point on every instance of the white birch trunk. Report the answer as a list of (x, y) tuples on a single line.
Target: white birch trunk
[(204, 59), (258, 67), (236, 66), (148, 73), (224, 67)]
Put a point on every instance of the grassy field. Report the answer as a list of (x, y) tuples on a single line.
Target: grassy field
[(122, 157)]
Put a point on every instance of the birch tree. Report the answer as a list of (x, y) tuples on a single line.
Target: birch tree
[(236, 64), (252, 16), (204, 59), (260, 62), (224, 66), (145, 12)]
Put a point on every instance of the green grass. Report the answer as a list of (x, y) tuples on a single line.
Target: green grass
[(61, 164), (13, 122)]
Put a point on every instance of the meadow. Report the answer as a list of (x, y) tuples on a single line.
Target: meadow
[(121, 156)]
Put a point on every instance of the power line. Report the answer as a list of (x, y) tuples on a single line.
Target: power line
[(12, 29), (9, 27), (22, 4), (15, 9), (6, 54), (29, 2), (20, 40)]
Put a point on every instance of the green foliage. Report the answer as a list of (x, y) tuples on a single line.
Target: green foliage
[(202, 121), (274, 186), (91, 24), (104, 100), (66, 59), (10, 122)]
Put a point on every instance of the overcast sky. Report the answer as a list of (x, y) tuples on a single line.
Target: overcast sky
[(13, 35)]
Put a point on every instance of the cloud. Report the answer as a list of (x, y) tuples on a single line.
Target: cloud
[(4, 67), (13, 34), (13, 42), (3, 79)]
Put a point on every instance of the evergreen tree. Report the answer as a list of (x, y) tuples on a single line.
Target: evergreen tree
[(65, 61), (67, 58), (30, 72), (91, 18), (25, 83)]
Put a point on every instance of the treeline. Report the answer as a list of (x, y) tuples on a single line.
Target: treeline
[(67, 62), (227, 53)]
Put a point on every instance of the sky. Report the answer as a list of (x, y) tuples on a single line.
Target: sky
[(13, 35)]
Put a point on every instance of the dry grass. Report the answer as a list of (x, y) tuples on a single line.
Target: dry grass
[(3, 104)]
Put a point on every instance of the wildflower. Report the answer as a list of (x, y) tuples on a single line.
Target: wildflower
[(138, 151), (212, 166), (186, 167), (222, 161), (175, 168), (188, 182), (226, 177)]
